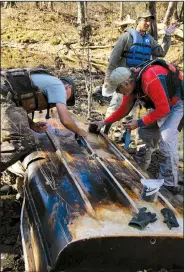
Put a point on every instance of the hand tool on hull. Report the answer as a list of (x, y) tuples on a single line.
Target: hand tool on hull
[(118, 152), (60, 154)]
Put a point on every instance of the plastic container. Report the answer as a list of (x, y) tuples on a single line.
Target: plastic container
[(150, 189)]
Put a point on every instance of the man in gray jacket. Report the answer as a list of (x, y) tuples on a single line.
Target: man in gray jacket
[(133, 48)]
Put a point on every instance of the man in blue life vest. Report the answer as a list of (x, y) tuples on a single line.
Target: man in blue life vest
[(133, 48)]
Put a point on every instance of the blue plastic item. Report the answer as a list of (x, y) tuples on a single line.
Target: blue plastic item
[(127, 139)]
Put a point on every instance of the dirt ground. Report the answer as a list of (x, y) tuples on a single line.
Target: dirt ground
[(43, 43)]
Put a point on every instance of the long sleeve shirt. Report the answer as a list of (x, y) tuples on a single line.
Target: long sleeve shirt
[(153, 84), (124, 43)]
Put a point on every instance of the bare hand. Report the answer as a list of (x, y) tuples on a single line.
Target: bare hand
[(131, 125), (39, 127), (82, 133)]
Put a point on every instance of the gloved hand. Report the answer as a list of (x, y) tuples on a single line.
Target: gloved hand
[(94, 127), (142, 219), (169, 218), (169, 30)]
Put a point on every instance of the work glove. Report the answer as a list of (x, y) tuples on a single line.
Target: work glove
[(169, 30), (96, 126), (142, 219), (169, 218)]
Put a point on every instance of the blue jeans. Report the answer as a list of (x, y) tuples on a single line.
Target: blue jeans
[(168, 143)]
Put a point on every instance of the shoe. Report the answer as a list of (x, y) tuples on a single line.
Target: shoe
[(175, 190), (7, 190)]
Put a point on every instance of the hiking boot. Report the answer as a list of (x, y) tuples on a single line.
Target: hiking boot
[(5, 189), (175, 190)]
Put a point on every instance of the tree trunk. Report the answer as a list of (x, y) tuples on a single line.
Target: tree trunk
[(5, 4), (169, 13), (50, 6), (176, 17), (121, 11), (181, 16), (81, 14), (152, 9), (86, 11), (10, 4), (37, 4), (42, 5)]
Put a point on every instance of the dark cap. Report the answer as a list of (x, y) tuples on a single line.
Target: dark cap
[(146, 14), (69, 80)]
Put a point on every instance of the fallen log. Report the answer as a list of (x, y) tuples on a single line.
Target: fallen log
[(94, 47)]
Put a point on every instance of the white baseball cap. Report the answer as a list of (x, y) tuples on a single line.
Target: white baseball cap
[(117, 77)]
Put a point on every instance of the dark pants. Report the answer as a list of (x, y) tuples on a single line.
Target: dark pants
[(17, 139)]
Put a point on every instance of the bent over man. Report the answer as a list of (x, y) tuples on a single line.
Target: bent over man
[(23, 91), (160, 88), (134, 47)]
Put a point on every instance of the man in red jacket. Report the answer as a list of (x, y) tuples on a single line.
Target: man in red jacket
[(154, 91)]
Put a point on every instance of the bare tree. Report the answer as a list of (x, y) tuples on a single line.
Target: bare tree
[(86, 10), (169, 13), (121, 11), (81, 14), (176, 17), (42, 5), (181, 16), (152, 9), (10, 4), (37, 4), (51, 6)]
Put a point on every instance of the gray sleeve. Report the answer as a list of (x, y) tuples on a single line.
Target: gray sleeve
[(160, 50), (116, 54)]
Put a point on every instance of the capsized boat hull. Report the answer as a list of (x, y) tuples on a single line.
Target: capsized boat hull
[(63, 230)]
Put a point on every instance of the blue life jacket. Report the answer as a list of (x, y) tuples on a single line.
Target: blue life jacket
[(140, 50)]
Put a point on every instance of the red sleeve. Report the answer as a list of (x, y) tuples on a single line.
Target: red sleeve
[(122, 111), (155, 91)]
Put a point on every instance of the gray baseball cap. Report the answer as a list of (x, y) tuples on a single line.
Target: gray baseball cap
[(146, 14), (69, 80), (118, 76)]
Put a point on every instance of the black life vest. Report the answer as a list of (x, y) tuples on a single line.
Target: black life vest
[(173, 82), (24, 92)]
